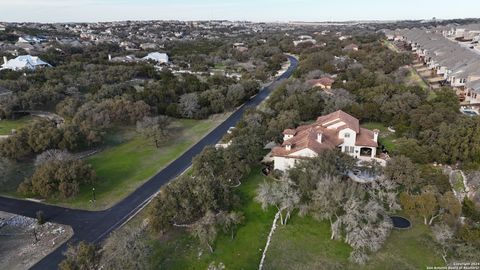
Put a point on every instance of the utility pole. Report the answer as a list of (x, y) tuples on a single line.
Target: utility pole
[(93, 194)]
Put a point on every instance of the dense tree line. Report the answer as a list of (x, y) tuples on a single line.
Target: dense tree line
[(58, 174), (44, 134)]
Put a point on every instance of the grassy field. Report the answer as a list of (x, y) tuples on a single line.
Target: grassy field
[(178, 250), (386, 137), (305, 244), (130, 160), (6, 126)]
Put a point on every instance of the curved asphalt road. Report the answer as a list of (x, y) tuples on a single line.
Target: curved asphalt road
[(93, 226)]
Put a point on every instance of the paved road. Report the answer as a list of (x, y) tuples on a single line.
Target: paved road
[(93, 226)]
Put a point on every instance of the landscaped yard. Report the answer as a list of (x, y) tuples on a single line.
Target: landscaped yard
[(386, 137), (305, 244), (130, 160), (178, 250), (6, 126)]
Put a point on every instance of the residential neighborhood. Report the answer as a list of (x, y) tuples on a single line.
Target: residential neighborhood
[(444, 52)]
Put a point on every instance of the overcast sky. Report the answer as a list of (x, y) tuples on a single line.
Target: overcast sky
[(253, 10)]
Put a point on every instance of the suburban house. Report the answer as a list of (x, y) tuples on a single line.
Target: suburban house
[(160, 58), (30, 39), (337, 130), (324, 83), (240, 46), (304, 39), (24, 62)]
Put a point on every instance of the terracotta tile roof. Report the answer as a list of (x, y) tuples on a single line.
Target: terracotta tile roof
[(289, 132), (325, 81), (339, 116), (306, 136), (365, 138)]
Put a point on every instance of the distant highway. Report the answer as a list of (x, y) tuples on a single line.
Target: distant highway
[(94, 226)]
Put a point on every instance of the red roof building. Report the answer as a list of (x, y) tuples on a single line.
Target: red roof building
[(324, 82), (336, 130)]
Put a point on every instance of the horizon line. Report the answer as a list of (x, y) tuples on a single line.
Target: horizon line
[(251, 21)]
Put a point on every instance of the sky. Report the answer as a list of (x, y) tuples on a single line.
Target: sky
[(251, 10)]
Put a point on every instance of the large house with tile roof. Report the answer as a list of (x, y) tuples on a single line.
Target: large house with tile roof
[(337, 130)]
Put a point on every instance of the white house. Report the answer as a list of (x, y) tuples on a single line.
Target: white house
[(161, 58), (24, 62), (304, 39), (336, 130)]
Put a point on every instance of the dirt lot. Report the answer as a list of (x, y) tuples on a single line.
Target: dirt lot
[(23, 242)]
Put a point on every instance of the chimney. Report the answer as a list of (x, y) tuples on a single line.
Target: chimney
[(319, 137), (288, 146), (5, 60), (109, 57), (375, 134)]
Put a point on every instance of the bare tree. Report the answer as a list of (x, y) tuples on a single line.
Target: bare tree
[(154, 128), (327, 201), (385, 190), (52, 155), (214, 266), (280, 194), (188, 105), (443, 235), (205, 230), (126, 249), (230, 221), (235, 95), (366, 227), (314, 74), (336, 99)]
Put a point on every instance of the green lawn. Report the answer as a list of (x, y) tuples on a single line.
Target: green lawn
[(178, 250), (386, 137), (6, 126), (458, 182), (305, 244), (130, 160)]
